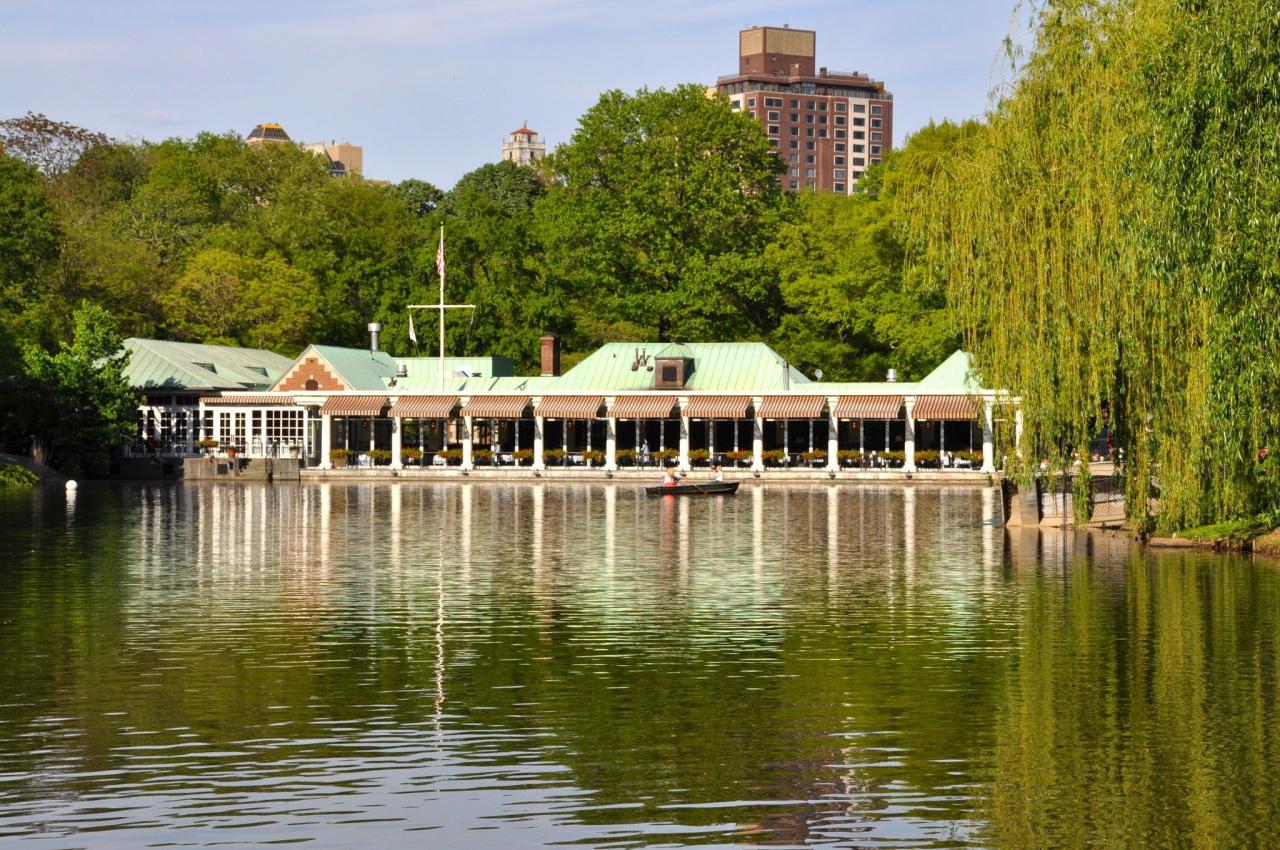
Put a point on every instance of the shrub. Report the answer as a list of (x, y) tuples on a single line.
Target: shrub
[(849, 458), (337, 455), (380, 457), (627, 457), (665, 456), (553, 456), (927, 458), (523, 456), (453, 457), (974, 458), (482, 456), (593, 457), (816, 454), (894, 457), (773, 457), (699, 456), (737, 457), (14, 477), (411, 455)]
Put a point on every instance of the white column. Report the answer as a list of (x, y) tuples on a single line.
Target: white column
[(909, 465), (683, 462), (538, 462), (611, 443), (373, 434), (396, 440), (757, 439), (988, 438), (833, 436), (466, 443), (326, 440)]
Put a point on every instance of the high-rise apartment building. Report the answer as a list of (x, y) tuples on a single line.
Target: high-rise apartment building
[(827, 126), (344, 159), (523, 147)]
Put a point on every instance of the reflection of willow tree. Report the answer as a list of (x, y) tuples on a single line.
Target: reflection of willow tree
[(1142, 714)]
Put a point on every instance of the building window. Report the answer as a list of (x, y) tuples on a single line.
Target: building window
[(839, 160), (795, 157), (822, 133), (773, 143), (822, 119), (773, 101), (773, 129), (808, 172), (810, 146), (793, 172), (795, 145), (795, 131), (875, 149), (751, 102), (839, 120), (859, 122), (822, 106), (811, 158), (794, 184), (839, 134), (839, 147), (795, 116), (839, 187), (839, 173), (858, 134), (875, 122), (809, 185), (875, 137), (773, 116), (876, 109), (736, 103), (795, 104), (857, 160), (859, 107), (808, 119), (839, 106), (809, 105), (859, 148), (875, 160), (808, 131)]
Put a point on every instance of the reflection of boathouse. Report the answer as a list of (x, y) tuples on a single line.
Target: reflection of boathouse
[(626, 404)]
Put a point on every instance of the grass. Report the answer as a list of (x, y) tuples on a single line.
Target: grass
[(1234, 530)]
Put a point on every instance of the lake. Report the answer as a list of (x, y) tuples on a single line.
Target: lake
[(527, 665)]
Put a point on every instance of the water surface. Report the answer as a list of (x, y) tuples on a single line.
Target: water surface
[(494, 666)]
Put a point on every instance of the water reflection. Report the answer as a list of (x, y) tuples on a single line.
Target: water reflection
[(532, 665)]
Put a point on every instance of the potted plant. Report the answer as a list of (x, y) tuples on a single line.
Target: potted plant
[(453, 457), (773, 457), (593, 457), (666, 457), (849, 458), (626, 457), (411, 457), (738, 458), (927, 458), (553, 457), (814, 457), (523, 457), (699, 457), (337, 457), (482, 457)]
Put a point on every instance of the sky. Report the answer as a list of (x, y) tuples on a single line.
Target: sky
[(431, 88)]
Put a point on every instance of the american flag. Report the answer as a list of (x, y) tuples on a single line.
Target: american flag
[(440, 256)]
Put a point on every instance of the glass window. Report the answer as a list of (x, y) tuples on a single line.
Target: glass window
[(875, 122), (859, 107), (822, 133), (773, 101), (810, 145), (857, 160), (795, 172), (822, 119), (773, 129), (808, 119), (809, 172), (839, 173), (795, 144), (839, 120), (839, 160), (795, 104), (875, 137), (751, 102), (859, 122), (839, 187), (839, 134), (773, 143), (808, 131), (839, 106), (859, 148), (858, 134), (839, 147), (736, 103), (794, 184), (809, 105), (811, 158), (822, 106), (875, 149), (876, 109), (795, 157), (795, 116), (795, 131), (875, 160), (773, 116)]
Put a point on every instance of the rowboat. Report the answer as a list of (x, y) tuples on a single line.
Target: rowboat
[(711, 488)]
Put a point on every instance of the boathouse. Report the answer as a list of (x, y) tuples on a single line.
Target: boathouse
[(626, 405)]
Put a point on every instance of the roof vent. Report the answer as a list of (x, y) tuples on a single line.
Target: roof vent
[(402, 371), (375, 328), (891, 376)]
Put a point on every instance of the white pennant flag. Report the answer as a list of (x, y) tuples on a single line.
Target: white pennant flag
[(413, 337)]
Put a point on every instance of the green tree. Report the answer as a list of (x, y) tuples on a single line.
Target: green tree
[(661, 207), (30, 242), (86, 407), (418, 196)]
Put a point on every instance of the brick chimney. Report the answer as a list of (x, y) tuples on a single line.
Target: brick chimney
[(550, 354)]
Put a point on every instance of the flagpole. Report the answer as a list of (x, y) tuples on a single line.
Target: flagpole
[(440, 263)]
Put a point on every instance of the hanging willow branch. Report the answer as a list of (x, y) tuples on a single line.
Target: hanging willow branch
[(1110, 241)]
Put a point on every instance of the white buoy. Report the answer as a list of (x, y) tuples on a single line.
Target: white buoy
[(71, 485)]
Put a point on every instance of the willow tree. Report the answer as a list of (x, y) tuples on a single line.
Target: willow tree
[(1111, 244)]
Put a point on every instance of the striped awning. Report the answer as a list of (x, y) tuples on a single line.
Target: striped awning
[(643, 406), (792, 407), (354, 405), (569, 406), (248, 400), (496, 406), (718, 407), (945, 407), (868, 406), (423, 406)]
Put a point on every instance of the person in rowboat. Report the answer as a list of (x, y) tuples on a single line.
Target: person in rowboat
[(718, 473), (669, 479)]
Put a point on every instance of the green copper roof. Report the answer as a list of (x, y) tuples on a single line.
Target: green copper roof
[(164, 364), (674, 350), (424, 372), (717, 367), (952, 377), (359, 368)]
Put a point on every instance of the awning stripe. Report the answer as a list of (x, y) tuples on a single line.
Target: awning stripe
[(424, 406), (569, 406), (868, 406), (353, 405), (248, 400), (792, 407), (945, 407), (643, 406), (718, 407), (496, 406)]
